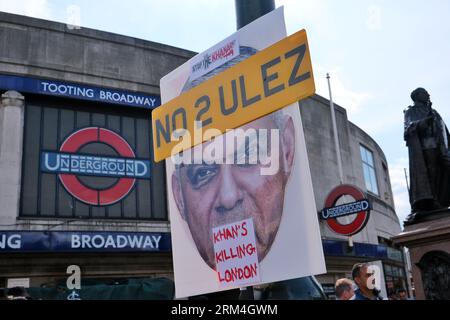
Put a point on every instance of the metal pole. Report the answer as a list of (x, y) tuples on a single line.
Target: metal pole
[(336, 144), (250, 10), (335, 133), (246, 12)]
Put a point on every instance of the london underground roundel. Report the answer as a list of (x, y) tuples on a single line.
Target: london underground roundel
[(69, 164), (360, 207)]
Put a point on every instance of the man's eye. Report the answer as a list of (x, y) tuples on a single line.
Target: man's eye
[(201, 175), (204, 173)]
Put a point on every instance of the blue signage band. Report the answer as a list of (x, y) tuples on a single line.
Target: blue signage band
[(11, 242), (78, 91)]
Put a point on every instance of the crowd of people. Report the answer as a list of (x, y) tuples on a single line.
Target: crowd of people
[(363, 286)]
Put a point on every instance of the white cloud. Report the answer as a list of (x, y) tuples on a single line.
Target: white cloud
[(342, 94), (399, 187), (32, 8), (373, 21)]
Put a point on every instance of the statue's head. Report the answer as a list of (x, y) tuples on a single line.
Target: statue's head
[(420, 95)]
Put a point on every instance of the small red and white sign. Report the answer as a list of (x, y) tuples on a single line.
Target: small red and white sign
[(360, 207), (236, 255), (88, 195)]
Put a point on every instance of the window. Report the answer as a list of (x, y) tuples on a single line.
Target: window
[(369, 170), (395, 279)]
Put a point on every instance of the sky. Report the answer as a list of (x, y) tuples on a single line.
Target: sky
[(376, 51)]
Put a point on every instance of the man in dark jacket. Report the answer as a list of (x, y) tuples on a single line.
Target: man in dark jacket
[(365, 280), (427, 139)]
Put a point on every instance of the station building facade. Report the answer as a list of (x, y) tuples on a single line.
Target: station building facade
[(78, 185)]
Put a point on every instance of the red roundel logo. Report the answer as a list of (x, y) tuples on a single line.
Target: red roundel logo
[(80, 191), (360, 207)]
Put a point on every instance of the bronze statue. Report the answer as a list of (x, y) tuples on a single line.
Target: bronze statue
[(427, 138)]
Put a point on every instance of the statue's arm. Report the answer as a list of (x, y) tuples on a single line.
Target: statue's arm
[(412, 124), (409, 124)]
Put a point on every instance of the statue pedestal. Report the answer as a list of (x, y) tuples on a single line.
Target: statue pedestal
[(429, 247)]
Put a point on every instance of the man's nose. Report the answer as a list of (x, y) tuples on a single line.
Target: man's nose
[(230, 195)]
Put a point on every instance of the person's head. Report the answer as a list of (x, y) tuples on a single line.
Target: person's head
[(402, 295), (392, 296), (213, 195), (344, 289), (420, 95), (18, 293), (3, 294), (361, 275)]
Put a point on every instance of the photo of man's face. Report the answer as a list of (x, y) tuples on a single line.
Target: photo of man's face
[(214, 195)]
